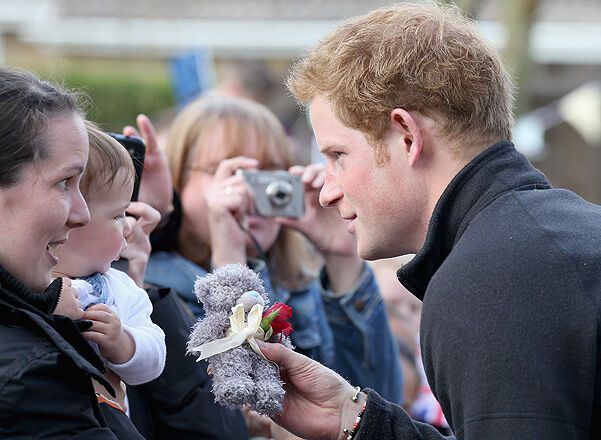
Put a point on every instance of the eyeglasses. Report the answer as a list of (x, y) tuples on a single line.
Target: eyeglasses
[(212, 168), (206, 169)]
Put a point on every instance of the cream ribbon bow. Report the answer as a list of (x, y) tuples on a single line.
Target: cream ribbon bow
[(238, 332)]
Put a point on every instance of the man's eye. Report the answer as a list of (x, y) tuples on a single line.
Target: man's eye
[(63, 183)]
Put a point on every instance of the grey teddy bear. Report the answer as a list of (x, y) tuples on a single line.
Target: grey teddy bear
[(240, 376)]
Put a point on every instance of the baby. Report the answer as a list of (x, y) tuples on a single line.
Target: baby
[(122, 331)]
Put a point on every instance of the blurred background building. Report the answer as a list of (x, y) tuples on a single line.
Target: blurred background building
[(151, 56)]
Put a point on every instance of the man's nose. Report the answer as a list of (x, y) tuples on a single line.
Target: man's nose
[(330, 193)]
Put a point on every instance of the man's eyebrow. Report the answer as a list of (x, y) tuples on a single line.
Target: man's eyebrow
[(327, 147), (75, 168)]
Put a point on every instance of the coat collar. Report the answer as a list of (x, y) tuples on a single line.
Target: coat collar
[(494, 172), (23, 297)]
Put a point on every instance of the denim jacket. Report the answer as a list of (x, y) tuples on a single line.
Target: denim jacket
[(348, 333)]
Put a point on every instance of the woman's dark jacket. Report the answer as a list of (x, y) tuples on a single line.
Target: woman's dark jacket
[(45, 371)]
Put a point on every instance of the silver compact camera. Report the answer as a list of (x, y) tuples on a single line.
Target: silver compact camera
[(277, 193)]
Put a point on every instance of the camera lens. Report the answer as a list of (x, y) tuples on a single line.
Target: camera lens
[(279, 193)]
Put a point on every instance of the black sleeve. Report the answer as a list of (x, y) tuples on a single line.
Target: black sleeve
[(49, 398), (385, 420), (179, 403)]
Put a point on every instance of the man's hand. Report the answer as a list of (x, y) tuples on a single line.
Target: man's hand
[(114, 343), (257, 425), (263, 426), (156, 186), (317, 403), (279, 433), (68, 302)]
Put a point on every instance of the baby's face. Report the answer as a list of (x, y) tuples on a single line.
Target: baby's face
[(95, 246)]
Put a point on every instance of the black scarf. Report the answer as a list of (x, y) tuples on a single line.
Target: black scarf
[(23, 297)]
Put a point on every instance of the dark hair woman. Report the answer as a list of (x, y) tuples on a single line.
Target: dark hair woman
[(45, 363)]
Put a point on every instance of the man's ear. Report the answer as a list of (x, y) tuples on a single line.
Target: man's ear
[(409, 131)]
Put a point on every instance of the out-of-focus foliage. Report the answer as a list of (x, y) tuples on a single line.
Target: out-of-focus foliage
[(117, 95)]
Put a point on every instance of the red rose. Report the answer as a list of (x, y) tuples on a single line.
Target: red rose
[(276, 316)]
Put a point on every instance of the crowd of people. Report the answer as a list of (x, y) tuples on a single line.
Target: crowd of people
[(493, 331)]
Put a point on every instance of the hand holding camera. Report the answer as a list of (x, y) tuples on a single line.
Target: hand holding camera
[(228, 201), (322, 226), (291, 198)]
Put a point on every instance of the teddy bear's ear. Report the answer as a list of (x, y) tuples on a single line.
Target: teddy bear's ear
[(222, 288), (202, 287)]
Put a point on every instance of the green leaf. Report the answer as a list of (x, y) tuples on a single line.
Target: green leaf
[(267, 320)]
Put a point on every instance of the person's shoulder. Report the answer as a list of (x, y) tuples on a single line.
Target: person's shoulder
[(169, 261), (22, 339), (546, 211), (169, 269), (166, 257), (537, 222), (566, 220), (528, 244), (23, 349), (554, 229)]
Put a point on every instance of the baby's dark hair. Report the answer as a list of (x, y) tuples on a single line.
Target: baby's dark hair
[(107, 157)]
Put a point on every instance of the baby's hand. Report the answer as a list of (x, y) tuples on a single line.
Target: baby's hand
[(68, 302), (114, 343)]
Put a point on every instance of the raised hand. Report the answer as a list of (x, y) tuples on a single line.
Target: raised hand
[(229, 200), (156, 186)]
